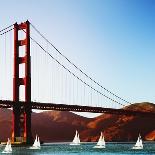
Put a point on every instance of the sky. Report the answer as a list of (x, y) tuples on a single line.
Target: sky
[(111, 40)]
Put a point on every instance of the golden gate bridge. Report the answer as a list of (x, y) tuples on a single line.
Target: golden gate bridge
[(45, 79)]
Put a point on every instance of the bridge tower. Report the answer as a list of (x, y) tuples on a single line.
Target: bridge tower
[(21, 127)]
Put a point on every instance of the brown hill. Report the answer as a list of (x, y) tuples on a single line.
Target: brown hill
[(5, 123), (61, 126), (121, 127), (150, 136), (49, 125), (57, 126)]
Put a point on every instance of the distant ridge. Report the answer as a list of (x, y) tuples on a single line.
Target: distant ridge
[(53, 126), (121, 127)]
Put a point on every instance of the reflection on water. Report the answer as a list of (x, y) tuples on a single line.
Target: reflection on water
[(84, 149)]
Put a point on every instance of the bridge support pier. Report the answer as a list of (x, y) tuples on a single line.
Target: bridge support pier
[(21, 127)]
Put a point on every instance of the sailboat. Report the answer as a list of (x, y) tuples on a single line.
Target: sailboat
[(36, 144), (101, 142), (8, 148), (139, 144), (76, 140)]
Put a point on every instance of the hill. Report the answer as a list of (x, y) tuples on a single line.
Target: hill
[(122, 127), (57, 126), (49, 125)]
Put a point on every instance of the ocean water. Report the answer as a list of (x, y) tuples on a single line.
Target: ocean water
[(84, 149)]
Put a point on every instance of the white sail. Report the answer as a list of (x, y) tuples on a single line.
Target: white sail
[(36, 144), (101, 142), (76, 140), (139, 143), (8, 148)]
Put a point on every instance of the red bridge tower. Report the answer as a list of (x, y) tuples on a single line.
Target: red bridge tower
[(21, 129)]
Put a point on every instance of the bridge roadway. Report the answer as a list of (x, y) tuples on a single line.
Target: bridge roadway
[(76, 108)]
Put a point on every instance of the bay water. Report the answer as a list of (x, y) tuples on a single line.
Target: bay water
[(84, 149)]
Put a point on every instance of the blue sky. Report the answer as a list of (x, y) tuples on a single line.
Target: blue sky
[(111, 40)]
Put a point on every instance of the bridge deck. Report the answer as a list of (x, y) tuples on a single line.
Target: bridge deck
[(76, 108)]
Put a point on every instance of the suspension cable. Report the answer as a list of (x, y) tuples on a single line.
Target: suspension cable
[(6, 31), (6, 28), (77, 67), (73, 73)]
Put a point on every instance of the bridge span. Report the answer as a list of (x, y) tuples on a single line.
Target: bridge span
[(75, 108)]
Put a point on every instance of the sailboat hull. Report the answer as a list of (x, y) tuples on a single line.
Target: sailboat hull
[(34, 148), (137, 148), (74, 144), (7, 152), (99, 147)]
